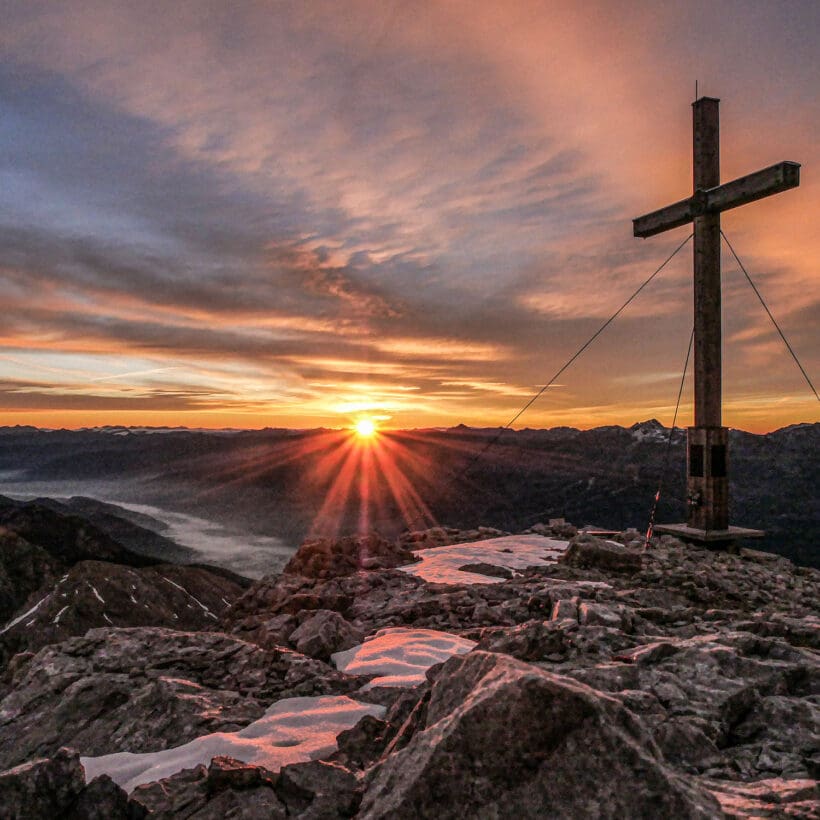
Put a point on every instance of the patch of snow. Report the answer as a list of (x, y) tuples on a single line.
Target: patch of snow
[(107, 619), (156, 431), (440, 565), (293, 730), (195, 600), (648, 435), (178, 586), (22, 617), (59, 615), (133, 599), (592, 584), (651, 430), (96, 594), (400, 656)]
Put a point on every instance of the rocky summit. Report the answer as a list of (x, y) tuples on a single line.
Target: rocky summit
[(553, 675)]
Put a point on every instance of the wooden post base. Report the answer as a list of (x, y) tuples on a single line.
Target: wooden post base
[(708, 478)]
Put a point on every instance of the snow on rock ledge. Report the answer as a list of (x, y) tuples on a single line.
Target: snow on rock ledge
[(293, 730), (442, 565), (399, 656)]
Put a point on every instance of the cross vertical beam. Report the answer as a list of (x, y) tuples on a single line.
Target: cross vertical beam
[(707, 480), (706, 133)]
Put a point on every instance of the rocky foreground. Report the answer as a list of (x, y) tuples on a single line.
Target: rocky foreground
[(611, 683)]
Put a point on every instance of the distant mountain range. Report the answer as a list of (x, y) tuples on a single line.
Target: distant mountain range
[(295, 483), (65, 568)]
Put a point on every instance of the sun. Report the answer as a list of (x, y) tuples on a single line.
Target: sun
[(365, 428)]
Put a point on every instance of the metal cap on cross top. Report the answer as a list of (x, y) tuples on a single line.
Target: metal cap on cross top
[(707, 462)]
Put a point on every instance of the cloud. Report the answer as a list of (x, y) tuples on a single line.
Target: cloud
[(422, 196), (17, 395)]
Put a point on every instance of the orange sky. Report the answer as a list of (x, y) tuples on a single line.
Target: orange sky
[(298, 214)]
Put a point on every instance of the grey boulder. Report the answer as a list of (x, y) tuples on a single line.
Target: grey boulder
[(506, 739), (55, 787), (588, 552), (323, 633)]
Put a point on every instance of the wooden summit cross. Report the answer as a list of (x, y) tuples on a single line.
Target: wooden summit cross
[(707, 451)]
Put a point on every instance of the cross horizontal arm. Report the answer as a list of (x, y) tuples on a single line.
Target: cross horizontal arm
[(672, 216), (753, 186)]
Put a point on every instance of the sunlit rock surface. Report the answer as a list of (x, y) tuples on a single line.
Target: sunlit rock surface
[(146, 689), (518, 741)]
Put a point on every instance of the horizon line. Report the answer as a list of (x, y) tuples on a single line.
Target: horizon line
[(382, 429)]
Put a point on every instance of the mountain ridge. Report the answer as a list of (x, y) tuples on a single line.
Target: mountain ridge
[(274, 482), (673, 681)]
